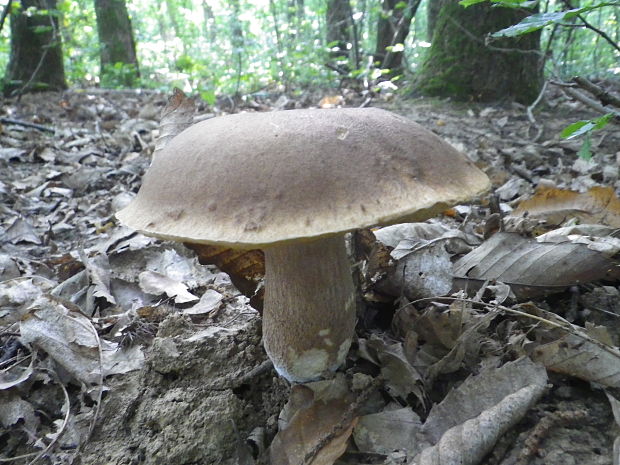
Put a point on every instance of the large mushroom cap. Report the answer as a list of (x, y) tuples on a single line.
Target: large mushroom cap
[(255, 179)]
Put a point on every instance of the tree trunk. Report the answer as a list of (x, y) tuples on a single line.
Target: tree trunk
[(35, 62), (459, 64), (236, 40), (392, 29), (340, 34), (209, 22), (432, 10), (119, 63)]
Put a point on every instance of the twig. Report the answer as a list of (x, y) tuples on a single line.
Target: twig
[(605, 97), (530, 114), (5, 13), (589, 102), (603, 34), (473, 37), (562, 325), (26, 124)]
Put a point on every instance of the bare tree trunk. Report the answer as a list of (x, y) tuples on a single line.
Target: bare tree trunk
[(119, 63), (35, 62), (236, 40), (392, 29), (340, 34), (209, 22)]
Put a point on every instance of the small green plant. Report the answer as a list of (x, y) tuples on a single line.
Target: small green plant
[(119, 75)]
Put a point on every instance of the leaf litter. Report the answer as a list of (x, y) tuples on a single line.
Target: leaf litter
[(503, 350)]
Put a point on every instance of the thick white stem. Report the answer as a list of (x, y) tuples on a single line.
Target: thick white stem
[(309, 310)]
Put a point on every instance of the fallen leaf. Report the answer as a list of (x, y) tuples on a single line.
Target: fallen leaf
[(532, 268), (320, 426), (465, 426), (155, 283), (387, 431), (587, 359), (555, 206)]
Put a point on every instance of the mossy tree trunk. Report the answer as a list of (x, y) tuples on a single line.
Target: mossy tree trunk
[(392, 29), (459, 64), (119, 63), (35, 62)]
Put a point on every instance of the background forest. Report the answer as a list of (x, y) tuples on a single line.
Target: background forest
[(214, 47)]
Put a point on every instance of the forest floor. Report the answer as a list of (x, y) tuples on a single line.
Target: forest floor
[(117, 349)]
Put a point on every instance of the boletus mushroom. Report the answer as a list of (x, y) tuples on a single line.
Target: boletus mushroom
[(293, 183)]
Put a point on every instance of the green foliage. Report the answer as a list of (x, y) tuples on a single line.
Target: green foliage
[(213, 48), (538, 21), (119, 75), (582, 127)]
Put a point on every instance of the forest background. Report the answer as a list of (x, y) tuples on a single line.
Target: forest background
[(214, 47)]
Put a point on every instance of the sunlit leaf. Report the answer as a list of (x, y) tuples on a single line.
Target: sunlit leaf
[(538, 21), (585, 126)]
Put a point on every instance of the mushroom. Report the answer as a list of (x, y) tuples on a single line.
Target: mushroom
[(293, 183)]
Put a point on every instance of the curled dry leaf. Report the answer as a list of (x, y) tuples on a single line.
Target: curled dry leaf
[(532, 268), (423, 269), (585, 358), (464, 427), (176, 116), (246, 268), (99, 271), (401, 377), (320, 423), (70, 339), (555, 206), (387, 431), (155, 283)]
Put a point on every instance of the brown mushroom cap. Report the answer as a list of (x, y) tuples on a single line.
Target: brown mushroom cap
[(255, 179)]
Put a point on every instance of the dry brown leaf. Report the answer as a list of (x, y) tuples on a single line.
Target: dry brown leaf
[(319, 429), (331, 101), (176, 116), (555, 206), (532, 268), (246, 268), (465, 426), (590, 360)]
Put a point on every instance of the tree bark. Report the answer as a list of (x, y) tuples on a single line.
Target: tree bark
[(432, 10), (35, 62), (340, 37), (459, 64), (119, 63), (393, 28)]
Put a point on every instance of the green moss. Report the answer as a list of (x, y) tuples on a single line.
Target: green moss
[(460, 66)]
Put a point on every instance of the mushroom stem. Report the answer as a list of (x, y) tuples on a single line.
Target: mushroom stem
[(309, 309)]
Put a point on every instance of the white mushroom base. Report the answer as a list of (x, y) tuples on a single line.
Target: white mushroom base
[(309, 308)]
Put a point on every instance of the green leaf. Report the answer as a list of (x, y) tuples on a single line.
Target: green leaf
[(601, 122), (538, 21), (400, 6), (584, 151), (467, 3), (585, 126), (576, 129), (208, 96)]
